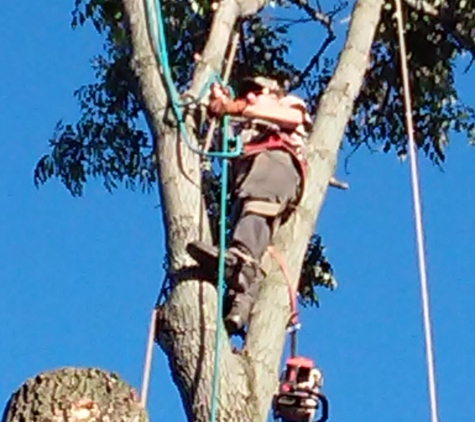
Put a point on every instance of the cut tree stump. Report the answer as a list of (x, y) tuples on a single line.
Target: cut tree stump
[(75, 395)]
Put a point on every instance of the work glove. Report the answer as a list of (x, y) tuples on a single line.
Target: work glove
[(221, 103)]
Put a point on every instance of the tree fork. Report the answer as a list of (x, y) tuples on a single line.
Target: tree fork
[(75, 395), (333, 113), (187, 320), (187, 323), (186, 333)]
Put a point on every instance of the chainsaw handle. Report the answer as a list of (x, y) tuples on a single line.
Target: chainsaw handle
[(324, 401)]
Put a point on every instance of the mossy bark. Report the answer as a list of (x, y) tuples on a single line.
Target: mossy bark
[(75, 395)]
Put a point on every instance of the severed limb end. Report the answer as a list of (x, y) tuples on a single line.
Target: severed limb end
[(334, 182)]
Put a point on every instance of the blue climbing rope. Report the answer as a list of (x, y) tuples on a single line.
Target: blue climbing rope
[(158, 36), (221, 271)]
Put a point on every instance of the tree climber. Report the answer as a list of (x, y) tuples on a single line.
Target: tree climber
[(268, 181)]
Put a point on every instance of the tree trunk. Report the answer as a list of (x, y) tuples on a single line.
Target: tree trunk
[(75, 395), (187, 321)]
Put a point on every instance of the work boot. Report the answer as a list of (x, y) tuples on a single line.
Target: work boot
[(241, 270), (238, 316)]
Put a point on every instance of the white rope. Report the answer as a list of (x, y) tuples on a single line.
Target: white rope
[(418, 217), (148, 359)]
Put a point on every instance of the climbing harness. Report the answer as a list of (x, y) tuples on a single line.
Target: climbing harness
[(282, 141), (417, 216)]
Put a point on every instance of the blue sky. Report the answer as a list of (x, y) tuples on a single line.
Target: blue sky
[(79, 276)]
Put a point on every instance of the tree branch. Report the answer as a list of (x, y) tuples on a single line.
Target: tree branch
[(187, 335), (179, 171), (333, 114), (187, 323), (314, 14), (250, 7), (423, 6), (224, 20), (326, 21), (143, 61), (315, 59)]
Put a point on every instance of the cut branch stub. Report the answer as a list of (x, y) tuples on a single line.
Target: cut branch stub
[(75, 395)]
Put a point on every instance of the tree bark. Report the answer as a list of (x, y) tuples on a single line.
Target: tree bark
[(187, 327), (187, 321), (334, 111), (75, 395)]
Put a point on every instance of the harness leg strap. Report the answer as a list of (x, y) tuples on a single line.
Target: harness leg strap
[(262, 207), (267, 209)]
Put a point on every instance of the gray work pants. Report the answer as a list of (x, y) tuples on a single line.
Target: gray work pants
[(270, 176)]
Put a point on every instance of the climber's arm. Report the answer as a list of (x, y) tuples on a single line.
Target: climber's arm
[(275, 113), (256, 107)]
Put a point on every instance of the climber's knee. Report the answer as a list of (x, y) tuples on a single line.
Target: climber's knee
[(263, 208)]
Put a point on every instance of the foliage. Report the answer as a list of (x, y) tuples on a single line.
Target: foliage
[(434, 46), (108, 143), (316, 272)]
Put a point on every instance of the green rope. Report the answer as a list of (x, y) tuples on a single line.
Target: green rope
[(158, 35), (221, 271)]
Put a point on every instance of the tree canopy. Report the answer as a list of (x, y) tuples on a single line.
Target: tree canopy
[(116, 138), (111, 142)]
